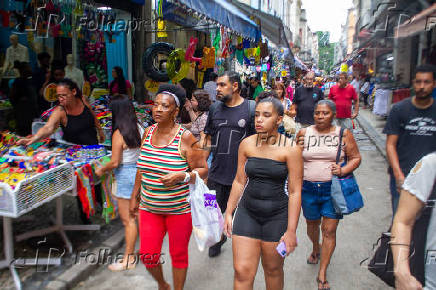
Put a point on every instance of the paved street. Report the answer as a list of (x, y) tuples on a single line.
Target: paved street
[(355, 237)]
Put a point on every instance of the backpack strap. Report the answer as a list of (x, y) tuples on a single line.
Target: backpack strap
[(252, 113)]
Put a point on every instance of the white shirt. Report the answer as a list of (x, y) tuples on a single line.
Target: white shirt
[(74, 74), (210, 87), (19, 53), (421, 182), (355, 83)]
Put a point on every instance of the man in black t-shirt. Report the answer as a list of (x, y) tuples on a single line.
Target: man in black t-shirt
[(411, 130), (230, 120), (305, 99)]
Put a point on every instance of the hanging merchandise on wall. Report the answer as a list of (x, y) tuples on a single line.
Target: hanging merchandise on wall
[(92, 52), (177, 66), (200, 79), (157, 53), (161, 24), (208, 58)]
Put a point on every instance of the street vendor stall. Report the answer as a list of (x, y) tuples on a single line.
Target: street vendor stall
[(33, 176)]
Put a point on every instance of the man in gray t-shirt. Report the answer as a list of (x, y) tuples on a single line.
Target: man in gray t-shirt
[(417, 190)]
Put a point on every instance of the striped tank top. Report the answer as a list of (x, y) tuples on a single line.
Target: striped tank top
[(155, 162)]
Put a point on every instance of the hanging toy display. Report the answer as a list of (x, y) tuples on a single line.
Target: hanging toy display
[(93, 61), (344, 67), (157, 53), (216, 41), (225, 52), (161, 25), (177, 66), (208, 58), (189, 55)]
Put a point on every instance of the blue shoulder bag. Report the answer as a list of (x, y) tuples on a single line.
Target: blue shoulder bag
[(345, 192)]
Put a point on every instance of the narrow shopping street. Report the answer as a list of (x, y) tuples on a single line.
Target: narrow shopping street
[(147, 130), (355, 238)]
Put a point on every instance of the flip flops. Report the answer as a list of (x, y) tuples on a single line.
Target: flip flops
[(323, 283)]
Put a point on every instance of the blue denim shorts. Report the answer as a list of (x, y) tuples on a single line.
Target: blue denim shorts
[(124, 180), (316, 201)]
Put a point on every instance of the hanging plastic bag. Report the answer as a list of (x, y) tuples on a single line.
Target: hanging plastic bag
[(207, 220)]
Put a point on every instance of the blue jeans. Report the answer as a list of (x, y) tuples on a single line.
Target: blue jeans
[(316, 201), (395, 195)]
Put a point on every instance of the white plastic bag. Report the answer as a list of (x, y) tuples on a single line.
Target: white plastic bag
[(207, 220)]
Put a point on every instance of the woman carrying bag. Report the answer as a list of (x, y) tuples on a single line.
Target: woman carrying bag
[(320, 144), (169, 154)]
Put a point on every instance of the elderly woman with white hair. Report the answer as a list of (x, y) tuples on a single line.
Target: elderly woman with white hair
[(320, 147)]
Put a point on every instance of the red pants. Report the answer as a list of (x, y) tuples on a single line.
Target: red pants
[(152, 230)]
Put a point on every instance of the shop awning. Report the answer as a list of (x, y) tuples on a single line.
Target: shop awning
[(300, 64), (224, 13), (271, 26), (423, 21)]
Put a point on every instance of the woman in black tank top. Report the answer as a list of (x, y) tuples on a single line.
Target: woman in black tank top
[(76, 119), (268, 207), (80, 129)]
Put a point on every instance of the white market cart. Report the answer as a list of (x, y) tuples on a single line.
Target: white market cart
[(29, 194)]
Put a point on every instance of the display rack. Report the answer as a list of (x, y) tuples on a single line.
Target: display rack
[(29, 194)]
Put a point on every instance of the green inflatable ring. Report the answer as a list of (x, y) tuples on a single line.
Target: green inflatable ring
[(177, 59)]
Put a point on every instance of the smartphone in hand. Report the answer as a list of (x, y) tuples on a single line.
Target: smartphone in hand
[(281, 249)]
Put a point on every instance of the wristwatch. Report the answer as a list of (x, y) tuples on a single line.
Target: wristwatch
[(187, 177)]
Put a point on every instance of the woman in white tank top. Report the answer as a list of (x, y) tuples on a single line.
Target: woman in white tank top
[(126, 142)]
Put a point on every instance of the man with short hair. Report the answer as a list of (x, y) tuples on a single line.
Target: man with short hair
[(210, 86), (230, 119), (411, 130), (305, 99), (345, 97), (256, 86)]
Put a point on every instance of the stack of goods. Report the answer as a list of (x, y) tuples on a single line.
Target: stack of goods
[(46, 114), (5, 104), (80, 155), (144, 116), (18, 162), (7, 139)]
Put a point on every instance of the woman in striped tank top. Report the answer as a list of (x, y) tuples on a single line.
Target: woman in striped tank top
[(169, 154)]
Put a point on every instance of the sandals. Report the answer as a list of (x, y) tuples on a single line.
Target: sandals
[(313, 258), (323, 284)]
